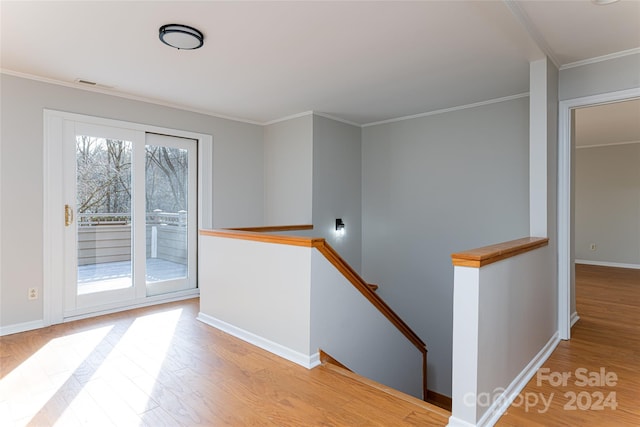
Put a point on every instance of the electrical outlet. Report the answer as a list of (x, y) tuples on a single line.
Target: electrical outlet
[(592, 246), (33, 293)]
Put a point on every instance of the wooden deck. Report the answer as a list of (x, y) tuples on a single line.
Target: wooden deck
[(158, 366), (117, 275)]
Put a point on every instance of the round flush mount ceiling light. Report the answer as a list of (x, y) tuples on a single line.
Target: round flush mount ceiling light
[(181, 36)]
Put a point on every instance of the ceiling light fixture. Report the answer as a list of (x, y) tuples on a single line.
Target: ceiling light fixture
[(181, 36)]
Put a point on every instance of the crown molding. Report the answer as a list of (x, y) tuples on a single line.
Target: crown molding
[(337, 119), (449, 110), (311, 112), (518, 11), (284, 119), (580, 147), (621, 54), (106, 91)]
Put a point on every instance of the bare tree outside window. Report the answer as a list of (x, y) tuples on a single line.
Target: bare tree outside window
[(167, 183), (103, 175)]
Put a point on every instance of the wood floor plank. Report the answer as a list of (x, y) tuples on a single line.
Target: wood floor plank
[(159, 366), (607, 336)]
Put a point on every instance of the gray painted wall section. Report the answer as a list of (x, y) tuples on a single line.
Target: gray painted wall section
[(345, 325), (288, 166), (608, 204), (237, 174), (337, 186), (600, 77), (433, 186)]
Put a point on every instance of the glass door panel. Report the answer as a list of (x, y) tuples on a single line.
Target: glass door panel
[(166, 205), (170, 196), (103, 214)]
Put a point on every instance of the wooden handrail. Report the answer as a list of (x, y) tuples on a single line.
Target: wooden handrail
[(493, 253), (358, 282), (308, 242), (337, 261), (343, 267), (361, 285), (273, 228)]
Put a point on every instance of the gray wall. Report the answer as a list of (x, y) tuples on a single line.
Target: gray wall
[(337, 186), (433, 186), (288, 167), (607, 184), (600, 77), (237, 174)]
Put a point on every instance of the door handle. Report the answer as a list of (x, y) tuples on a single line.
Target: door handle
[(68, 215)]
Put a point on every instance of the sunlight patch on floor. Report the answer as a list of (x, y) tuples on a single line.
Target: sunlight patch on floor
[(103, 376), (26, 390)]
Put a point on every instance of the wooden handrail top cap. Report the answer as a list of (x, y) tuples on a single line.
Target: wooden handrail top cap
[(489, 254), (310, 242)]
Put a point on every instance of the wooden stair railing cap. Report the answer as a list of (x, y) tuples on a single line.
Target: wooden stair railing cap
[(493, 253)]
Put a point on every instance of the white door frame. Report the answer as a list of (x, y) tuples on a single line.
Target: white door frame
[(53, 280), (566, 239)]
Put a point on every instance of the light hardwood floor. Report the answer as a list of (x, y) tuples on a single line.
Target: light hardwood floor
[(159, 366), (606, 338)]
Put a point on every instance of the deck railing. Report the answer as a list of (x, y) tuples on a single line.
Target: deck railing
[(155, 217), (106, 237)]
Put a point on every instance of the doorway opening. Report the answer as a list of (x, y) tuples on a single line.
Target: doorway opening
[(567, 314)]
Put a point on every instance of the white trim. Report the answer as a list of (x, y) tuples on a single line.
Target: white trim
[(565, 239), (307, 113), (106, 91), (457, 422), (139, 303), (609, 264), (337, 119), (291, 117), (112, 92), (21, 327), (53, 271), (536, 36), (307, 361), (574, 318), (449, 110), (579, 147), (602, 58), (504, 400)]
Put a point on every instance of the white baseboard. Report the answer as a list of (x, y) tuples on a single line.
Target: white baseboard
[(307, 361), (86, 313), (457, 422), (502, 402), (21, 327), (574, 318), (159, 299), (608, 264)]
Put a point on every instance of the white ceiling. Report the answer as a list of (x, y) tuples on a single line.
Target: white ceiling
[(359, 61)]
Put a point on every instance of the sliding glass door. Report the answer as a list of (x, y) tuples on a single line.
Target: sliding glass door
[(131, 217)]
